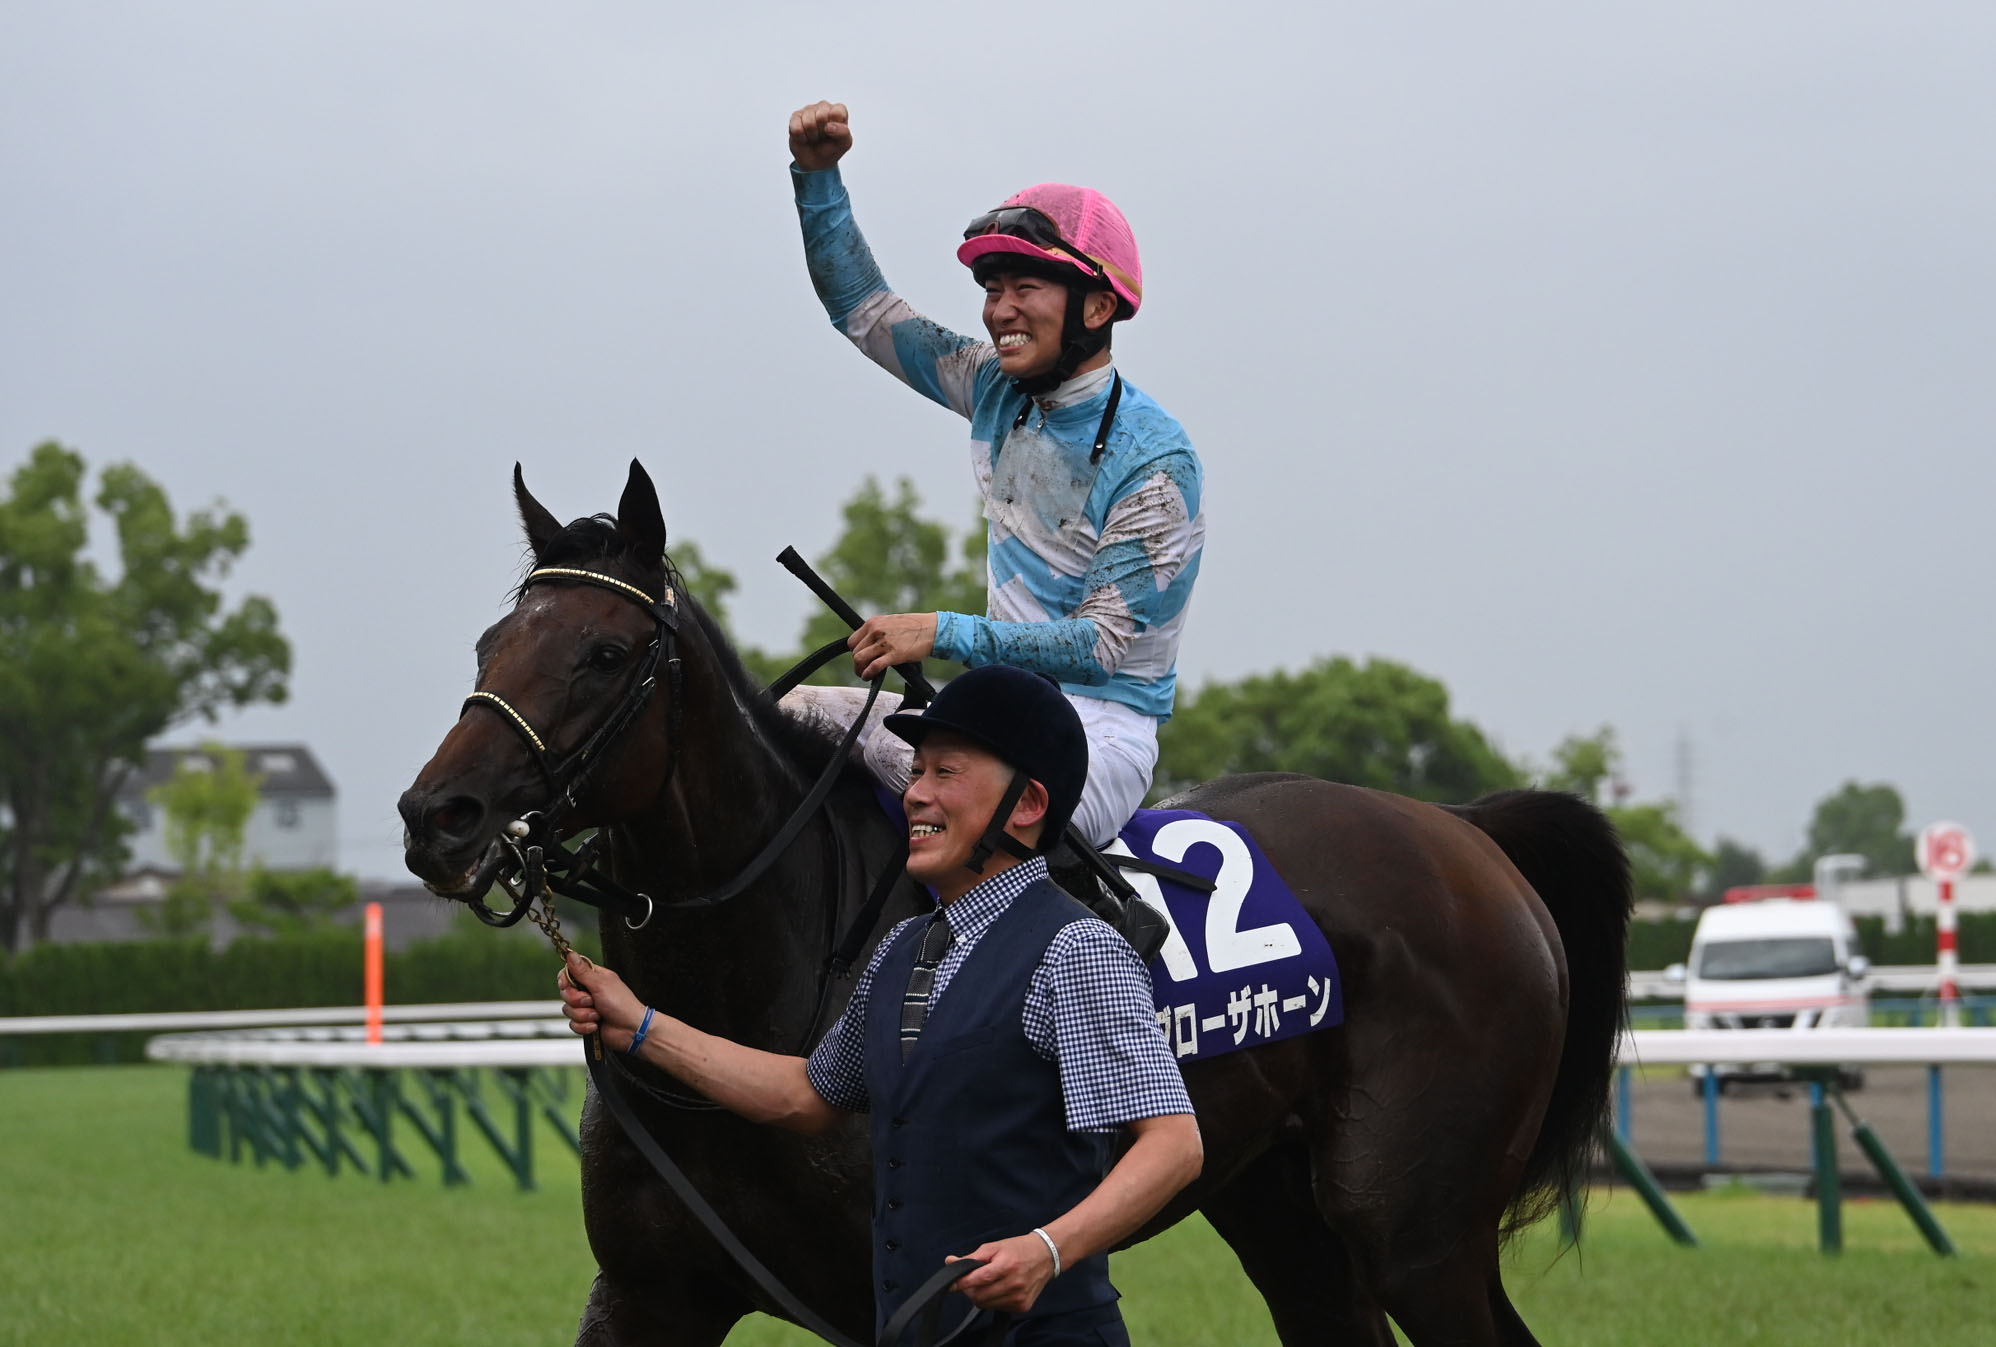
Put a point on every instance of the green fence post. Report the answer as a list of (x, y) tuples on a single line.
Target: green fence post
[(517, 1159), (304, 1111), (333, 1086), (204, 1112), (553, 1090), (284, 1094), (231, 1091), (442, 1134), (446, 1105), (1571, 1217), (1829, 1184), (517, 1086), (1895, 1178), (326, 1107), (1637, 1173), (383, 1094), (256, 1125)]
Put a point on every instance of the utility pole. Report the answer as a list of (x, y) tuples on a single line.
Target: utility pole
[(1687, 815)]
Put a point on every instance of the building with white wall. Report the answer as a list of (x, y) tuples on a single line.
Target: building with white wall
[(295, 826), (1913, 896)]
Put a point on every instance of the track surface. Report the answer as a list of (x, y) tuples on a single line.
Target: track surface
[(1758, 1129)]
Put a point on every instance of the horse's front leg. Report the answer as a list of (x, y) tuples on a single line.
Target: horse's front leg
[(668, 1312)]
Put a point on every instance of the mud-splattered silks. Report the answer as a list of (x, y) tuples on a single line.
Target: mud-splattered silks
[(1091, 564)]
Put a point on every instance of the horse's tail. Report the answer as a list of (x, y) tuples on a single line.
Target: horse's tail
[(1569, 853)]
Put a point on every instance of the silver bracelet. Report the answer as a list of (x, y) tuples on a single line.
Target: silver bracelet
[(1052, 1248)]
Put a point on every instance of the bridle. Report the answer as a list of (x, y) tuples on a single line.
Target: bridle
[(528, 859)]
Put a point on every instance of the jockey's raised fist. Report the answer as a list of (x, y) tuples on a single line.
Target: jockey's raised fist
[(819, 136)]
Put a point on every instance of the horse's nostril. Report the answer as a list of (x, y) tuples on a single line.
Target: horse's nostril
[(455, 817)]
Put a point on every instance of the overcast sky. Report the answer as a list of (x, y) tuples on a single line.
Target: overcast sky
[(1613, 364)]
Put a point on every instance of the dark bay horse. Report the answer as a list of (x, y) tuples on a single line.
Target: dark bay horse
[(1363, 1171)]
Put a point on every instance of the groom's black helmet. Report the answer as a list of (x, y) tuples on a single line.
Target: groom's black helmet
[(1026, 721)]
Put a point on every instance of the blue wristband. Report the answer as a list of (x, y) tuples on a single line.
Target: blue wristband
[(638, 1040)]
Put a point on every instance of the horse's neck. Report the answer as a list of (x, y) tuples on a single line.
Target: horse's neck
[(740, 963)]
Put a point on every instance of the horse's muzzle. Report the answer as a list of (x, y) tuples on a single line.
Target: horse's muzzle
[(446, 843)]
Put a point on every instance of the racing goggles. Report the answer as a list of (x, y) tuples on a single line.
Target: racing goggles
[(1032, 226)]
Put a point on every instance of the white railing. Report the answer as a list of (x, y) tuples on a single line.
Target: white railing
[(1903, 979), (515, 1043), (250, 1019), (1807, 1047)]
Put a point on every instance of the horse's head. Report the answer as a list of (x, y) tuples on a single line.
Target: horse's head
[(566, 669)]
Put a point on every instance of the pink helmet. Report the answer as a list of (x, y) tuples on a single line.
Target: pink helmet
[(1054, 222)]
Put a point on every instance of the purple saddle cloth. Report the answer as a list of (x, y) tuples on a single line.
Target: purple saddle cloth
[(1244, 964)]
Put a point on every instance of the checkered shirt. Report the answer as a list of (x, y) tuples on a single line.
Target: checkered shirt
[(1088, 1009)]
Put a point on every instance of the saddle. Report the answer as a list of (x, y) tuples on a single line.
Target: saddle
[(1092, 881)]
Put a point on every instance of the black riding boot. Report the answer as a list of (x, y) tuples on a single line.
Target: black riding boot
[(1136, 921)]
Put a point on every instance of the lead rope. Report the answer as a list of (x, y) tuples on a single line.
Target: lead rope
[(927, 1302)]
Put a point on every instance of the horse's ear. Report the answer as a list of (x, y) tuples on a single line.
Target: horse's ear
[(541, 526), (638, 516)]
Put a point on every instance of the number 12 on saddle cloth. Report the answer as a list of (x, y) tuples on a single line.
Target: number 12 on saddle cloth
[(1242, 966)]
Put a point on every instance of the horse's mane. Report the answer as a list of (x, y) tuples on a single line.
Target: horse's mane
[(597, 540)]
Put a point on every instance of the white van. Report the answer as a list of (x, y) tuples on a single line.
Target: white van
[(1777, 963)]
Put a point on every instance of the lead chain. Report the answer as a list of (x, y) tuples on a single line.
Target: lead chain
[(543, 916)]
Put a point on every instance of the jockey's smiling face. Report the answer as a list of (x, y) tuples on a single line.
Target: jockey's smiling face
[(955, 788), (1025, 314)]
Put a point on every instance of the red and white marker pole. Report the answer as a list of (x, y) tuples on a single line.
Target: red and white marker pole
[(371, 977), (1945, 852), (1947, 956)]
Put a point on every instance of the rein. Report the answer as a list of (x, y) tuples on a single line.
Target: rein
[(531, 862), (540, 863)]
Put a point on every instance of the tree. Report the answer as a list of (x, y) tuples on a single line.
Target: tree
[(712, 585), (93, 668), (1589, 766), (1664, 861), (287, 902), (207, 804), (1379, 724), (1867, 821), (889, 559), (1733, 864)]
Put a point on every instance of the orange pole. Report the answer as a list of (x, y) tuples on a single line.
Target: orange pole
[(372, 976)]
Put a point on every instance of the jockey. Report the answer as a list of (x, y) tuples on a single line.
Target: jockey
[(998, 1086), (1092, 490)]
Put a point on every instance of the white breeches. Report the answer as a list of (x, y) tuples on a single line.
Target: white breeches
[(1122, 750)]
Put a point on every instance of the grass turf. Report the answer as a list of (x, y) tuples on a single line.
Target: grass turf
[(113, 1232)]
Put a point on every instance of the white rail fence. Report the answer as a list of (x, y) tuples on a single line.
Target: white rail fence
[(1808, 1047), (1902, 979)]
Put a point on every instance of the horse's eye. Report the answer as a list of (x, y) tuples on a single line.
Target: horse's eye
[(607, 658)]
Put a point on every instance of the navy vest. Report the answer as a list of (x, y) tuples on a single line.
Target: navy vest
[(970, 1138)]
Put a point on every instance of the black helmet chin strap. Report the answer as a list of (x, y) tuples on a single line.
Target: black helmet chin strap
[(995, 837), (1079, 344)]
